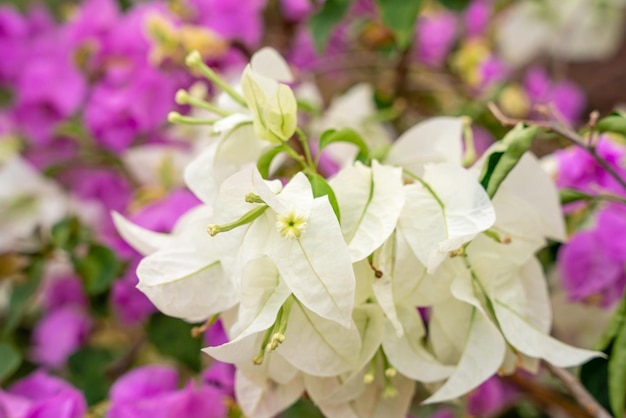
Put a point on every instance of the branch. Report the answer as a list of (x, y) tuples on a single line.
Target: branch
[(545, 397), (578, 391), (563, 131)]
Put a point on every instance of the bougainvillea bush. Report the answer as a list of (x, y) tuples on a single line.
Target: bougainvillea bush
[(299, 208)]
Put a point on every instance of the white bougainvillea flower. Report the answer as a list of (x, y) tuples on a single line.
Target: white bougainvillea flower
[(27, 201), (370, 201), (446, 209), (273, 104), (301, 235)]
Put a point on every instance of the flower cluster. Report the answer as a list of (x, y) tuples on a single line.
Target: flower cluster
[(320, 282), (296, 222)]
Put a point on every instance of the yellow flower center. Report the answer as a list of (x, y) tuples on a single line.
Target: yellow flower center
[(291, 225)]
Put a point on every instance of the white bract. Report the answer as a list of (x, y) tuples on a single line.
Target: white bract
[(318, 284), (568, 29), (27, 201)]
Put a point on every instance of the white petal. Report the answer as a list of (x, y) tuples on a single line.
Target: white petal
[(265, 399), (231, 202), (184, 284), (317, 266), (370, 201), (262, 295), (407, 354), (436, 140), (199, 175), (269, 63), (318, 346), (343, 388), (229, 122), (297, 195), (531, 183), (141, 239), (482, 356), (433, 226), (535, 343), (383, 286)]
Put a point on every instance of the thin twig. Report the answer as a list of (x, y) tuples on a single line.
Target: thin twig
[(545, 397), (563, 131), (578, 391)]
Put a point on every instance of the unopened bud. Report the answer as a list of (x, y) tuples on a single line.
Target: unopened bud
[(253, 198), (391, 372), (193, 58), (182, 97), (368, 378)]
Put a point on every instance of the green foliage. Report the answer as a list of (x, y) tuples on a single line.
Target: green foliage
[(323, 23), (266, 159), (571, 196), (88, 370), (10, 361), (345, 135), (400, 17), (456, 5), (505, 157), (594, 377), (302, 408), (97, 268), (606, 380), (22, 294), (617, 373), (69, 234), (615, 122), (321, 188), (172, 337)]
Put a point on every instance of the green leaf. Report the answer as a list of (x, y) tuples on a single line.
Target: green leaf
[(613, 123), (456, 5), (97, 268), (11, 360), (345, 135), (571, 196), (264, 162), (400, 17), (617, 373), (172, 337), (594, 377), (323, 22), (321, 188), (69, 233), (22, 293), (302, 408), (616, 323), (505, 157), (88, 371)]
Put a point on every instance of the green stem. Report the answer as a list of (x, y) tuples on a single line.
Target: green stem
[(305, 146), (194, 60)]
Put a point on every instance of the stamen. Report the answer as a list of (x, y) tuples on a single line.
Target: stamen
[(194, 60), (247, 218), (184, 98), (175, 117)]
